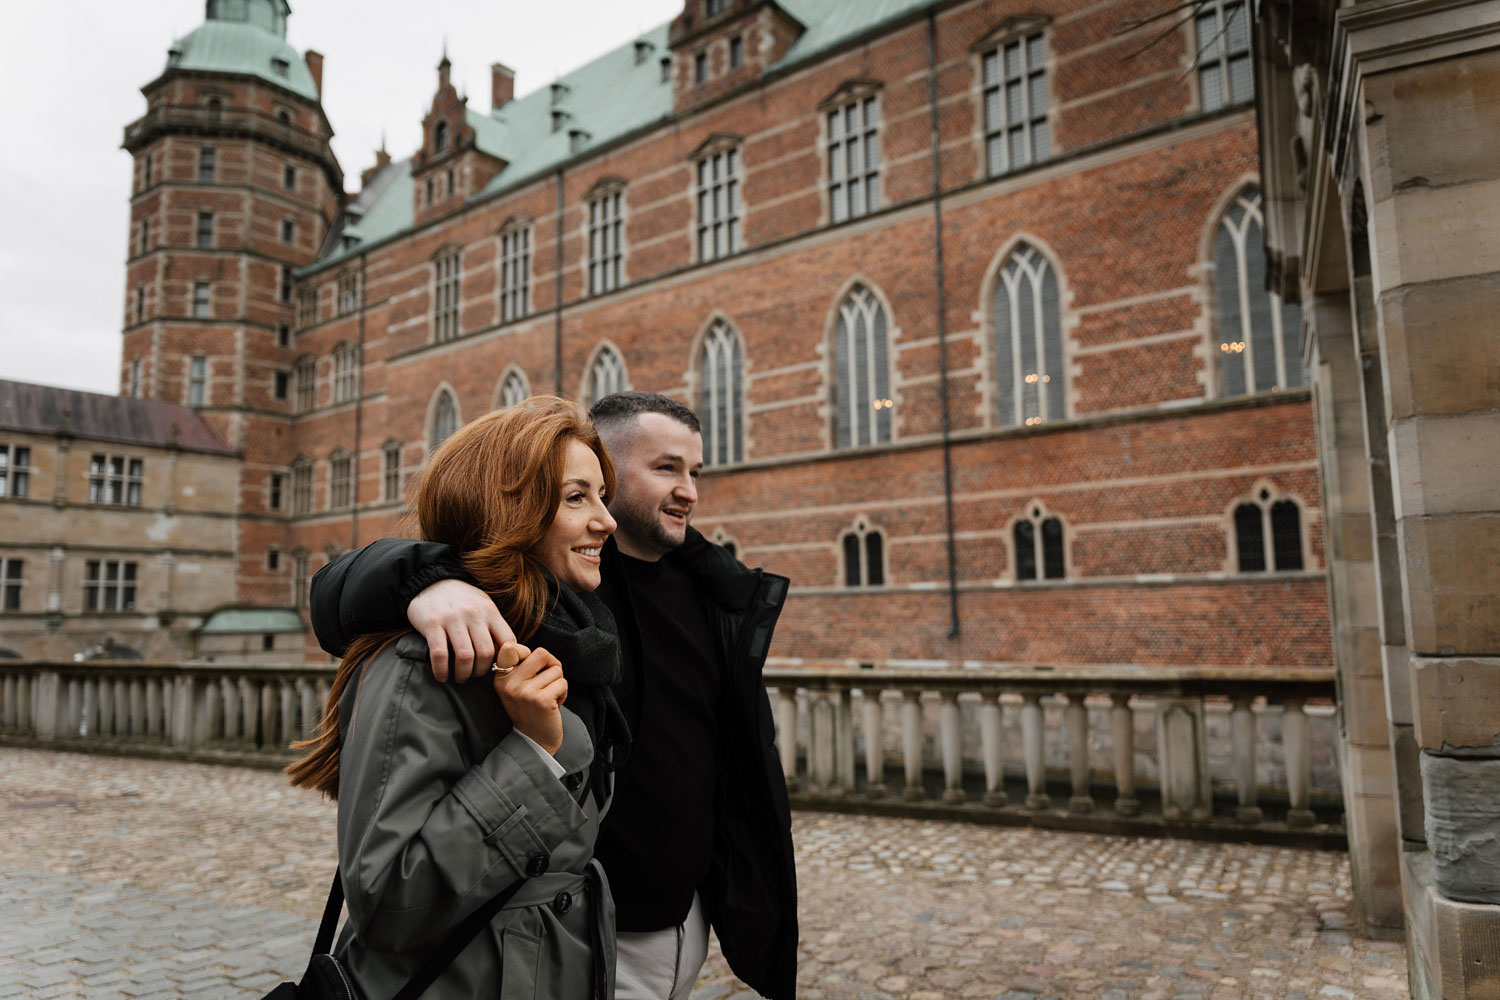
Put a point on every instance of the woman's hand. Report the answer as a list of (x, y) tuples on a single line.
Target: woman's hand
[(532, 691)]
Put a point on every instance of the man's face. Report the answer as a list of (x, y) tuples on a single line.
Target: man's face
[(657, 461)]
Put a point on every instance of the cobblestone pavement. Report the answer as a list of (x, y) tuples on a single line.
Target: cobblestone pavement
[(147, 879)]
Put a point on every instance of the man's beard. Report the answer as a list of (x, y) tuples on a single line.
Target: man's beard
[(643, 523)]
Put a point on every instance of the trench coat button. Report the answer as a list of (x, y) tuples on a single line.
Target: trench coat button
[(562, 903), (536, 864), (574, 781)]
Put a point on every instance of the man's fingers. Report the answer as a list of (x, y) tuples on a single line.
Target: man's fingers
[(437, 653), (484, 648), (498, 628), (463, 654)]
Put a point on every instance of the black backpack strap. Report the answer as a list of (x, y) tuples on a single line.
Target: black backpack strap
[(323, 943)]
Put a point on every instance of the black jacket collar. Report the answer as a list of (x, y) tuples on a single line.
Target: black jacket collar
[(723, 578)]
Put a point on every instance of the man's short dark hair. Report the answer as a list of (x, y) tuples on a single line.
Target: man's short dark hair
[(614, 410)]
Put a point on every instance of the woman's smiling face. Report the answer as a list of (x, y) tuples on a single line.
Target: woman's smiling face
[(570, 548)]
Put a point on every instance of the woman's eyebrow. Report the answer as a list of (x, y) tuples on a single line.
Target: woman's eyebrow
[(581, 482)]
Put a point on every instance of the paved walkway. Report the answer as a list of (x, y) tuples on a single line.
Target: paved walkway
[(130, 878)]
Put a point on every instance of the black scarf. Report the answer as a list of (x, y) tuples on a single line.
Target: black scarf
[(579, 630)]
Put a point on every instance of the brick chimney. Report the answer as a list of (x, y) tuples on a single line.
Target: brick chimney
[(315, 67), (382, 159), (502, 85)]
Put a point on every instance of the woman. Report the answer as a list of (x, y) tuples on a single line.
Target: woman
[(448, 793)]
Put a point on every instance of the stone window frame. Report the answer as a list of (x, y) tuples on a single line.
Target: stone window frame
[(831, 336), (852, 93), (284, 293), (340, 480), (281, 384), (203, 235), (710, 214), (136, 377), (1228, 49), (289, 176), (116, 480), (1266, 495), (140, 304), (1037, 514), (15, 471), (862, 532), (273, 558), (202, 306), (1285, 317), (345, 372), (513, 259), (348, 291), (984, 318), (208, 165), (1019, 31), (724, 538), (12, 582), (440, 137), (307, 306), (300, 567), (436, 411), (447, 294), (302, 485), (606, 362), (718, 334), (110, 584), (288, 230), (390, 471), (278, 489), (197, 381), (305, 390), (606, 255), (511, 388)]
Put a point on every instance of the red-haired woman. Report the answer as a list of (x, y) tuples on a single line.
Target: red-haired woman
[(449, 793)]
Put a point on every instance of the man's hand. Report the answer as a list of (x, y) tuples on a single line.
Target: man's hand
[(458, 614), (532, 692)]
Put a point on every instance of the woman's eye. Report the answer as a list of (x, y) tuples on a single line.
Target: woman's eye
[(575, 497)]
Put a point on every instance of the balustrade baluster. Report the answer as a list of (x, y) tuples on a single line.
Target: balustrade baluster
[(229, 695), (287, 730), (843, 740), (950, 731), (786, 734), (74, 714), (911, 745), (211, 705), (104, 701), (122, 706), (153, 707), (308, 708), (25, 705), (137, 707), (1242, 734), (992, 747), (249, 710), (321, 687), (1032, 748), (266, 737), (820, 763), (9, 716), (1078, 753), (1122, 726), (874, 725), (1294, 740)]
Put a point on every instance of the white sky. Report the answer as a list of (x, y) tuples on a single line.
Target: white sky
[(71, 74)]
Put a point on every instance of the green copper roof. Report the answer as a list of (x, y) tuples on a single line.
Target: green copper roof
[(605, 99), (234, 621), (243, 47)]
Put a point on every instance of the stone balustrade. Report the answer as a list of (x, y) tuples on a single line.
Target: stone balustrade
[(1174, 751), (1179, 751)]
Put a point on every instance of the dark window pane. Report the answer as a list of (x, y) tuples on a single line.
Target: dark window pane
[(1053, 565), (875, 558), (1249, 538), (1025, 538), (1286, 535), (851, 560)]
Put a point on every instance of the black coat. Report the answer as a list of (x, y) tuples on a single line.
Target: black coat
[(750, 895)]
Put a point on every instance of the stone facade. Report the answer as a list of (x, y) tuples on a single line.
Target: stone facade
[(1378, 126)]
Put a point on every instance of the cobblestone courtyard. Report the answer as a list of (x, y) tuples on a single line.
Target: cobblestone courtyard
[(131, 878)]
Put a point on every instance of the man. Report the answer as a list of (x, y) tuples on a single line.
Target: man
[(700, 829)]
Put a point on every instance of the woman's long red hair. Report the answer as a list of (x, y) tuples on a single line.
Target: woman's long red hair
[(490, 491)]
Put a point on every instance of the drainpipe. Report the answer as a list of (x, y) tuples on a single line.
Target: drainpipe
[(359, 406), (942, 321), (557, 377)]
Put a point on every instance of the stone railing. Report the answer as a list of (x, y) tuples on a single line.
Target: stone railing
[(1208, 752), (206, 711), (177, 117), (1221, 752)]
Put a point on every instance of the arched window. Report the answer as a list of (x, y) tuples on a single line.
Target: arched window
[(721, 537), (721, 396), (1038, 539), (513, 389), (440, 138), (1030, 385), (444, 420), (1268, 533), (864, 555), (1258, 333), (606, 375), (215, 108), (862, 373), (345, 373)]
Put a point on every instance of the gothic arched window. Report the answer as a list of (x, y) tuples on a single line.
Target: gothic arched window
[(606, 375), (1038, 539), (1268, 533), (513, 389), (864, 555), (1258, 333), (862, 401), (721, 396), (1030, 385), (444, 420)]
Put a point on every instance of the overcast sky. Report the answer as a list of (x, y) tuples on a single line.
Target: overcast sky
[(71, 74)]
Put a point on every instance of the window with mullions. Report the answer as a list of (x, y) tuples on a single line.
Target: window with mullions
[(446, 275), (854, 158), (390, 478), (11, 580), (205, 233), (302, 486), (197, 380), (515, 273), (115, 479), (513, 390), (202, 300), (721, 393), (1268, 534), (864, 556), (606, 375), (606, 241), (444, 420), (15, 471), (1221, 30), (1029, 383), (307, 307), (1038, 540), (1016, 131), (299, 578), (1258, 333), (208, 164), (109, 585), (306, 375), (345, 373), (862, 372), (719, 204), (340, 492), (348, 291)]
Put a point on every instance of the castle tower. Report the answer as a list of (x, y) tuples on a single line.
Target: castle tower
[(235, 186)]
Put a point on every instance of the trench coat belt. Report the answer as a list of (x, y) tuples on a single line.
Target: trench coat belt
[(542, 890)]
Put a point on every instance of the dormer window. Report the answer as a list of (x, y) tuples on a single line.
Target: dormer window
[(559, 119), (666, 69), (717, 7), (643, 49), (560, 90), (577, 139), (280, 67), (440, 138)]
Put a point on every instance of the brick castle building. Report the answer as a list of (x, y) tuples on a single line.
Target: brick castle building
[(971, 301)]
